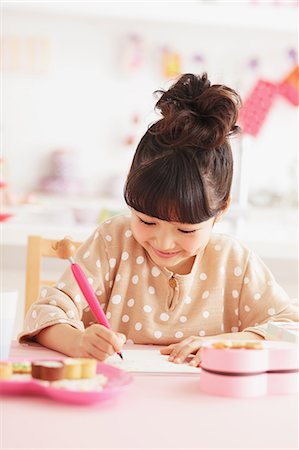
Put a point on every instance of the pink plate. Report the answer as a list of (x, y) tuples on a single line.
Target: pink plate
[(118, 380)]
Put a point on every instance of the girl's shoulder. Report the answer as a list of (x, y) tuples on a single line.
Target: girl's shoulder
[(228, 245), (116, 233)]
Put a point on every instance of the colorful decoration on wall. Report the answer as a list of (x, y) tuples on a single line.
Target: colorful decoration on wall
[(133, 54), (259, 101), (171, 63), (289, 87), (63, 177), (257, 106), (28, 54)]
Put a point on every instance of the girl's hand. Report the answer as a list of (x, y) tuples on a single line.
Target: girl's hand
[(179, 353), (99, 342)]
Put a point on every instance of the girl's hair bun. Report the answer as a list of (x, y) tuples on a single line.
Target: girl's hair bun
[(196, 114)]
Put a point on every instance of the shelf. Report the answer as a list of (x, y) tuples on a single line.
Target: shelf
[(263, 15), (271, 233)]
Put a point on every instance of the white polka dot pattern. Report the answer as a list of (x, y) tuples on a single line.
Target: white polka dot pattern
[(205, 295), (164, 317), (151, 290), (147, 308), (237, 271), (131, 302), (135, 279), (203, 276), (157, 334), (179, 334), (140, 260), (112, 262), (116, 299), (125, 256), (155, 271)]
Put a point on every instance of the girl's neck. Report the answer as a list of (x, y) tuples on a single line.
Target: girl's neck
[(183, 268)]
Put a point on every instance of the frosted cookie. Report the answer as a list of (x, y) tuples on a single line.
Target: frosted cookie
[(5, 370), (221, 345), (47, 370), (96, 383), (21, 367), (250, 345), (88, 367), (72, 368)]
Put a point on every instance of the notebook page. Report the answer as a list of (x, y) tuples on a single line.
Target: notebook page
[(149, 361)]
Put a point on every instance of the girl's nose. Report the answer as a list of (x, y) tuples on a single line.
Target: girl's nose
[(165, 242)]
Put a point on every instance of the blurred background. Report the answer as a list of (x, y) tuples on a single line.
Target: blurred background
[(77, 83)]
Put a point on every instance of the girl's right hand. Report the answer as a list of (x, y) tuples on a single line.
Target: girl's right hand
[(99, 342)]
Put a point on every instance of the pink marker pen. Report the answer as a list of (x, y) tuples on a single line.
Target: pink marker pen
[(89, 294)]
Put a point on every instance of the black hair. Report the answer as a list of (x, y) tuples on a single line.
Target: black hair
[(183, 165)]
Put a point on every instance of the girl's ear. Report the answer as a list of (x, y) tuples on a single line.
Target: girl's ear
[(224, 209)]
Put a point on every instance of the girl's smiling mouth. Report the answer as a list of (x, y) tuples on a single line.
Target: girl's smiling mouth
[(166, 255)]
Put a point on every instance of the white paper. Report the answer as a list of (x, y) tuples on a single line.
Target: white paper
[(149, 361)]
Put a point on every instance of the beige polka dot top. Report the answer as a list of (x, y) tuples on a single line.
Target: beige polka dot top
[(229, 289)]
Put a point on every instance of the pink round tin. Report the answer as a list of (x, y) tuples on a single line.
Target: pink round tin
[(249, 368)]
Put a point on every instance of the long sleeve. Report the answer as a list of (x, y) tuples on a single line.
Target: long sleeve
[(64, 302), (262, 299)]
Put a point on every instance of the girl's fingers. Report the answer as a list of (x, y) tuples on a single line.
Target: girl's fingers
[(183, 352), (167, 350), (96, 352), (112, 339), (196, 360)]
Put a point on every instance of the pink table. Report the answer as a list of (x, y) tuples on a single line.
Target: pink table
[(156, 412)]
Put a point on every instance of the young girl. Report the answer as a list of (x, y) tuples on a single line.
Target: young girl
[(160, 274)]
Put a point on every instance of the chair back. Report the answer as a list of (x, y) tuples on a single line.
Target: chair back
[(38, 248)]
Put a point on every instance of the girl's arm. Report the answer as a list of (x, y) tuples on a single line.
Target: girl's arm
[(94, 342), (179, 353)]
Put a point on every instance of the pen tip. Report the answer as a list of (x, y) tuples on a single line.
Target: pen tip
[(121, 356)]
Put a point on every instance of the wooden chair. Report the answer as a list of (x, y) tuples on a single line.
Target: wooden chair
[(37, 248)]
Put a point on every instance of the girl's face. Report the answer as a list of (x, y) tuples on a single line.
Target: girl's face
[(172, 245)]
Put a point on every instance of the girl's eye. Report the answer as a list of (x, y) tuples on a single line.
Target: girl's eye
[(146, 223), (187, 231)]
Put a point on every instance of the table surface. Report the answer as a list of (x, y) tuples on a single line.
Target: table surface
[(155, 412)]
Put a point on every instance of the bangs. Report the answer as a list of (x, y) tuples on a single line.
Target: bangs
[(169, 188)]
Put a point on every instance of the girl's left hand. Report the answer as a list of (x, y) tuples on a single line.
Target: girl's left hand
[(179, 353)]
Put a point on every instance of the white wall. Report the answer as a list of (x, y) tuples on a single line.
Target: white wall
[(86, 98)]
